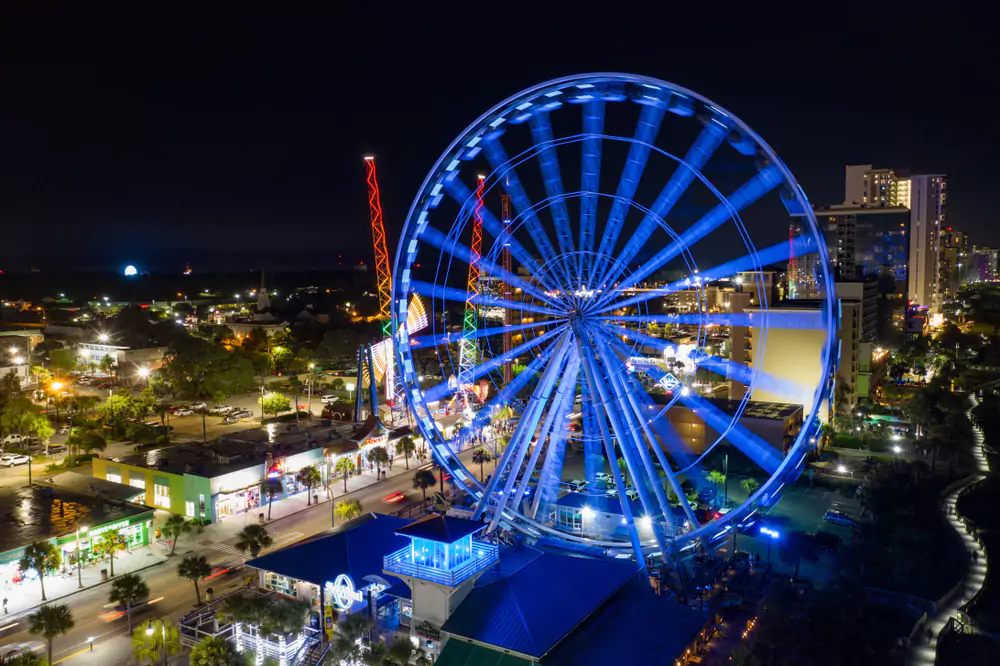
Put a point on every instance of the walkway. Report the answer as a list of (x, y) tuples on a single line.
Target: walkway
[(923, 652)]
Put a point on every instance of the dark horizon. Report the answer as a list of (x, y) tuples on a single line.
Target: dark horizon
[(237, 139)]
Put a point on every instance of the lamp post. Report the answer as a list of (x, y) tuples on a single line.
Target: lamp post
[(163, 626), (309, 388), (79, 559)]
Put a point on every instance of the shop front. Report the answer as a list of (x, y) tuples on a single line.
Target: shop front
[(233, 502)]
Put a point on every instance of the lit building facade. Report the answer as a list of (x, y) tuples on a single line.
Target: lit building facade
[(928, 200), (953, 262)]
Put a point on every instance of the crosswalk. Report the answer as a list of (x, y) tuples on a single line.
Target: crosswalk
[(281, 539)]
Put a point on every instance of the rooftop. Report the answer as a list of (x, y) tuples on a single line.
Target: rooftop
[(356, 552), (242, 449), (443, 529), (530, 609), (777, 411), (38, 513), (90, 485)]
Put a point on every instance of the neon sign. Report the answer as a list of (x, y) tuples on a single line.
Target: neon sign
[(342, 592)]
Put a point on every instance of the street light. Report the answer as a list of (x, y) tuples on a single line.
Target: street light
[(350, 391), (103, 337), (17, 360), (897, 449), (163, 626), (841, 469)]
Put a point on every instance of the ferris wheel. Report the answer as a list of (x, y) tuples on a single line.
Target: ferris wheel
[(623, 297)]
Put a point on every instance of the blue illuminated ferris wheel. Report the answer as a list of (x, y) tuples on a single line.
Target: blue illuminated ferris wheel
[(619, 296)]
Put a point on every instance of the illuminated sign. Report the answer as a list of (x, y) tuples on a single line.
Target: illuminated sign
[(669, 382), (276, 468), (342, 592)]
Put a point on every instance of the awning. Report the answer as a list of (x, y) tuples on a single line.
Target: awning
[(459, 653)]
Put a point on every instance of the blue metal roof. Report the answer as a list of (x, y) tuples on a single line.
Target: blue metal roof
[(601, 503), (356, 552), (443, 529), (634, 627), (533, 608)]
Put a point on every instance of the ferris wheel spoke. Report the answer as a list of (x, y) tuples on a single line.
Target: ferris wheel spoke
[(599, 390), (593, 456), (451, 246), (802, 321), (521, 438), (442, 390), (436, 291), (697, 157), (497, 157), (799, 246), (553, 432), (646, 130), (590, 179), (462, 195), (424, 341), (755, 448), (541, 134), (765, 181)]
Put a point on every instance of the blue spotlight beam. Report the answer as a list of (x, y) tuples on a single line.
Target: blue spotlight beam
[(437, 291), (755, 448), (762, 183), (424, 341), (590, 180), (801, 246), (450, 245), (442, 390), (646, 130), (697, 156), (609, 450), (800, 321), (458, 191)]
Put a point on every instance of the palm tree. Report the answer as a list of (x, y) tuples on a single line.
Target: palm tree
[(309, 477), (271, 487), (348, 509), (43, 557), (718, 478), (24, 659), (253, 539), (623, 469), (194, 567), (147, 640), (406, 446), (174, 528), (345, 466), (378, 456), (109, 544), (213, 651), (129, 589), (480, 457), (422, 480), (51, 621), (750, 485)]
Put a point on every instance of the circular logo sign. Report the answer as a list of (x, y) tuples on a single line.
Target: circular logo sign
[(343, 593)]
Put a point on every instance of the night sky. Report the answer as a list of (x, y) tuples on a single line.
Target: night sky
[(235, 140)]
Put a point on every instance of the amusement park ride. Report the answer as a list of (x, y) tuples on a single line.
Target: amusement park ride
[(580, 291)]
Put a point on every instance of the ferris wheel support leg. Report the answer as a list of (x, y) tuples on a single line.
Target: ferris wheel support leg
[(593, 457), (554, 427), (609, 448), (522, 433)]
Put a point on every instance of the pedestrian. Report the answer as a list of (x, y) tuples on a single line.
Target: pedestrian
[(5, 611)]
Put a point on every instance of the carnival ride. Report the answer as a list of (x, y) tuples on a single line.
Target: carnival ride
[(664, 175)]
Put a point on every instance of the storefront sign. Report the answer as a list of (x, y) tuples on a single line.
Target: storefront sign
[(342, 592), (378, 440), (425, 630), (276, 468)]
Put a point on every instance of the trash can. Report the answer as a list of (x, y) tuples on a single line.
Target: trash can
[(315, 499), (104, 575), (209, 592), (260, 518)]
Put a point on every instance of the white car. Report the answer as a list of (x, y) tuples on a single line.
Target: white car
[(577, 484), (12, 459), (15, 440), (330, 399), (603, 476), (224, 409), (199, 406), (184, 412)]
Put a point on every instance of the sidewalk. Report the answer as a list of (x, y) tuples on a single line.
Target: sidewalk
[(27, 595), (923, 651)]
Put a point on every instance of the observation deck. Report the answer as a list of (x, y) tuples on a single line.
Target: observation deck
[(413, 562)]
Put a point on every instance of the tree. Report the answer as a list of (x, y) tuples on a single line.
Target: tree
[(794, 547), (199, 368), (253, 539), (378, 456), (271, 487), (108, 545), (213, 651), (623, 469), (274, 403), (422, 480), (345, 466), (480, 457), (194, 568), (50, 622), (43, 557), (147, 640), (62, 360), (24, 658), (719, 479), (750, 485), (39, 426), (41, 375), (127, 590), (174, 528), (107, 364), (348, 509), (406, 446), (309, 477)]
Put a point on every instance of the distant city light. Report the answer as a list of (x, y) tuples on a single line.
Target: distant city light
[(144, 372), (130, 270), (17, 360), (897, 449), (841, 469), (103, 337)]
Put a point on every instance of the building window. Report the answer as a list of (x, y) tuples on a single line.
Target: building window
[(161, 496), (189, 508), (113, 474), (137, 482), (280, 584)]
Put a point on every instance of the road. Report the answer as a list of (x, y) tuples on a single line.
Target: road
[(175, 595)]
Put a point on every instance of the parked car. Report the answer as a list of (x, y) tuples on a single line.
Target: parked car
[(577, 484), (183, 412), (12, 459), (231, 419), (632, 494), (839, 518), (243, 413), (603, 476), (15, 440), (199, 406), (330, 399), (64, 429)]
